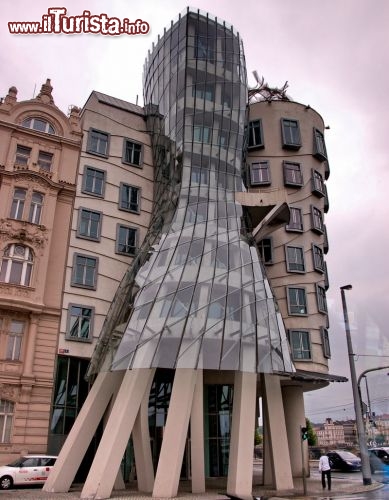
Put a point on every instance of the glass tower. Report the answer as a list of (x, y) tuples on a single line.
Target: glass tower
[(196, 296)]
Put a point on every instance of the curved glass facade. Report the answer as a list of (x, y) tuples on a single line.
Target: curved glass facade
[(196, 296)]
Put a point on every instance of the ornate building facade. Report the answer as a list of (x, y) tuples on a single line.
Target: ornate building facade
[(39, 150)]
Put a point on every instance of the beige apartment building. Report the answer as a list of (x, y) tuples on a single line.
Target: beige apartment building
[(111, 215), (39, 150)]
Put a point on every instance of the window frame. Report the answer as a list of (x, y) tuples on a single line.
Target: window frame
[(289, 263), (49, 128), (7, 411), (266, 245), (321, 298), (317, 220), (86, 236), (18, 203), (319, 145), (292, 307), (89, 148), (27, 265), (45, 164), (287, 143), (318, 254), (325, 342), (117, 241), (252, 126), (318, 186), (14, 341), (74, 282), (263, 166), (127, 141), (289, 173), (84, 188), (139, 196), (301, 332), (69, 317), (24, 155), (294, 227), (35, 211)]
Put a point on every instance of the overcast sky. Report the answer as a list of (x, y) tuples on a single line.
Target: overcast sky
[(335, 56)]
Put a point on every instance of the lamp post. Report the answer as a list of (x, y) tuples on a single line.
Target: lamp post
[(366, 472)]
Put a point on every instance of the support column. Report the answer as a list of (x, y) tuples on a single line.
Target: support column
[(267, 474), (142, 447), (81, 434), (102, 475), (197, 437), (240, 466), (176, 430), (278, 440), (293, 400)]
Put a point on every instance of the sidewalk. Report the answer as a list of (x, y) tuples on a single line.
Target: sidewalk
[(215, 491)]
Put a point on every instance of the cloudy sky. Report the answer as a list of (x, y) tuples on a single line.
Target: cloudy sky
[(335, 56)]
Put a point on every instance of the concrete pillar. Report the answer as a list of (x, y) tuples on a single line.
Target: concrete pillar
[(240, 465), (276, 430), (197, 437), (293, 400), (173, 445), (142, 447), (81, 434), (267, 469), (105, 466)]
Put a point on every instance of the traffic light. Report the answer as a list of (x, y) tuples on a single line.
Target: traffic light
[(304, 433)]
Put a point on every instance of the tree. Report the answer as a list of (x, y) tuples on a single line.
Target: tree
[(312, 438)]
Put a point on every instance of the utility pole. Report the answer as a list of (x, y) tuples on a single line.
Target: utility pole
[(366, 471)]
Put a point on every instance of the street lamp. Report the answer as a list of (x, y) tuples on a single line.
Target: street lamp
[(366, 472)]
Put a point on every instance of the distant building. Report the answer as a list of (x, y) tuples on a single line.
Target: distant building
[(330, 434), (39, 150)]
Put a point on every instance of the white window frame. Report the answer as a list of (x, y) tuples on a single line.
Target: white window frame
[(14, 339), (36, 205), (6, 420), (18, 203), (12, 258)]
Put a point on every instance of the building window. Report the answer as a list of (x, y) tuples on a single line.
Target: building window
[(318, 187), (295, 259), (93, 181), (265, 248), (204, 47), (295, 220), (14, 340), (291, 138), (22, 155), (292, 174), (132, 153), (35, 208), (297, 301), (89, 225), (321, 299), (16, 265), (39, 125), (84, 271), (260, 173), (45, 161), (199, 175), (69, 394), (325, 342), (6, 420), (319, 150), (126, 240), (80, 323), (255, 139), (317, 220), (204, 91), (318, 259), (98, 142), (300, 344), (201, 134), (129, 198), (18, 201)]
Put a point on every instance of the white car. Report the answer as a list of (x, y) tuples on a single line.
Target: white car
[(29, 469)]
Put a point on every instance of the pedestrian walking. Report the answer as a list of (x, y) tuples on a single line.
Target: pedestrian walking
[(325, 469)]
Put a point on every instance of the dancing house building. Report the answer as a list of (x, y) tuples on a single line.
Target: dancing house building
[(197, 331)]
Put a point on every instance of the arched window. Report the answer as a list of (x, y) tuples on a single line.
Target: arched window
[(16, 265), (6, 417), (38, 124)]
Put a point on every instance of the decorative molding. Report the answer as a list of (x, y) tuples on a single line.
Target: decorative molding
[(10, 392), (24, 232)]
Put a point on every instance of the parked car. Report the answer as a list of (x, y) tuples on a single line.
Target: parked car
[(344, 460), (382, 453), (29, 469)]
